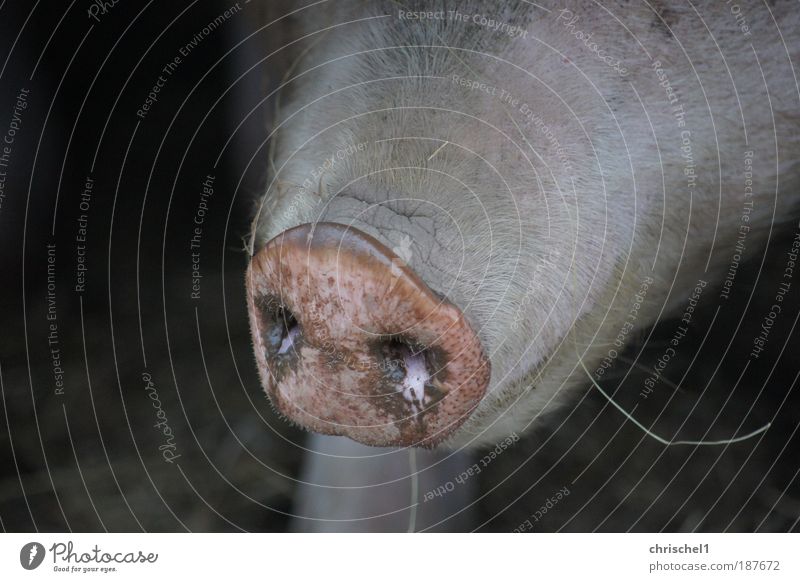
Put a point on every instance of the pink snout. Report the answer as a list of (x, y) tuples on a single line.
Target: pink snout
[(350, 341)]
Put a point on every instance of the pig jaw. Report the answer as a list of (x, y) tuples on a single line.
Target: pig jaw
[(349, 341)]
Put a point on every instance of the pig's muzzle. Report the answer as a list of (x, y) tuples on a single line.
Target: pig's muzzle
[(350, 341)]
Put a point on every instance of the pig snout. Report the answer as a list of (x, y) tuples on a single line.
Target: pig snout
[(350, 341)]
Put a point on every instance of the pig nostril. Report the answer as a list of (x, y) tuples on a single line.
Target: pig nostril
[(392, 354), (408, 366), (288, 328), (417, 377), (280, 327)]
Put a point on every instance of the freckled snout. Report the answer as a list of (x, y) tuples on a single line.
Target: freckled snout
[(350, 341)]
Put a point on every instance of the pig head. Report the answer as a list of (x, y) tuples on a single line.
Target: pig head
[(459, 218)]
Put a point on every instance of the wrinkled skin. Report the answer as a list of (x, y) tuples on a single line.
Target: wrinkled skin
[(542, 203)]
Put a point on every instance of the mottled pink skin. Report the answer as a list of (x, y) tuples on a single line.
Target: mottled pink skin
[(348, 293)]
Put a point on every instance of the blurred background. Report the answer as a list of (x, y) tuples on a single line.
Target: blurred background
[(129, 394)]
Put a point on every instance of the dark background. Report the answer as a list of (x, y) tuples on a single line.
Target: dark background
[(89, 459)]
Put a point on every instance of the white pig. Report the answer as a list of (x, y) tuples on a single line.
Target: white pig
[(562, 173)]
